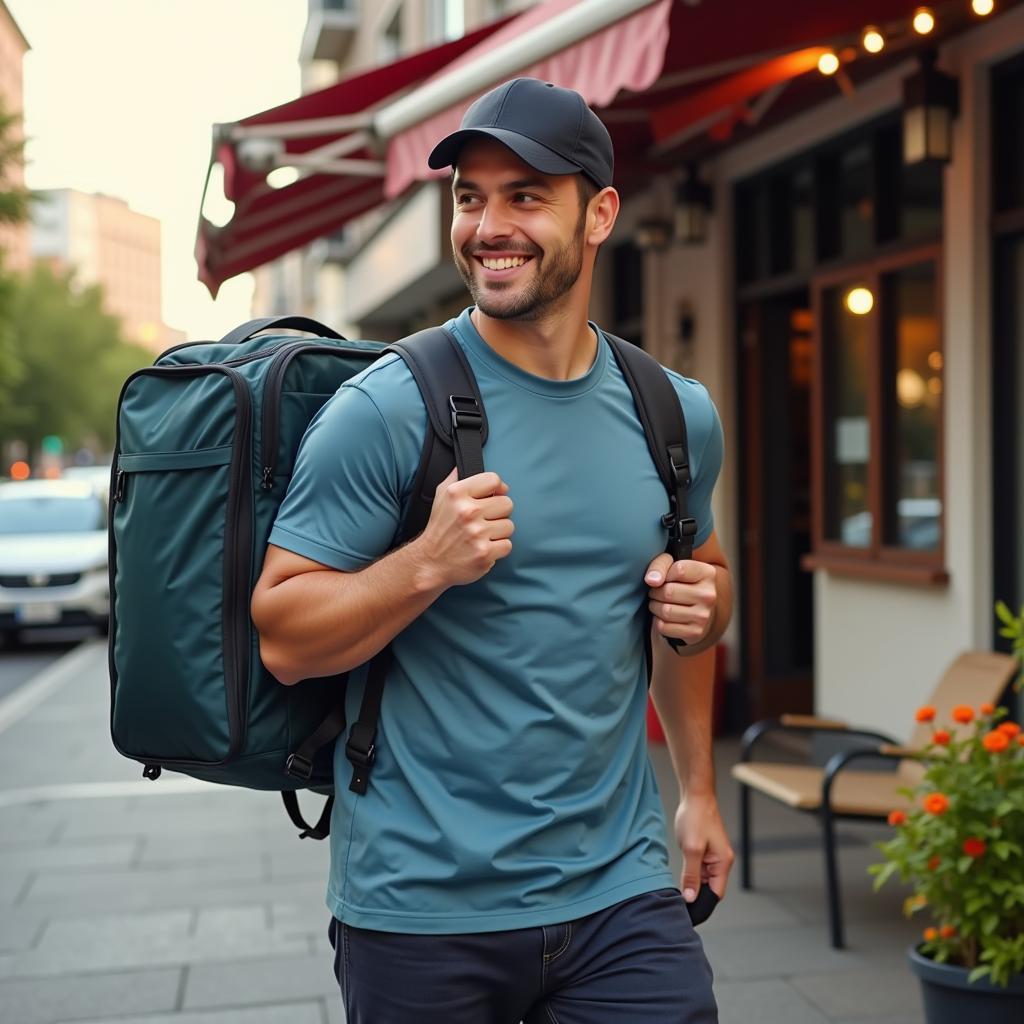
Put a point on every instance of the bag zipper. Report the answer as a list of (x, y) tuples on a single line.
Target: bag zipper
[(272, 399), (237, 547)]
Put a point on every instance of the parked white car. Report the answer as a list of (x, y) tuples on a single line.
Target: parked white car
[(53, 556)]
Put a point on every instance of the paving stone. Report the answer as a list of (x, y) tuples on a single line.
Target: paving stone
[(335, 1012), (775, 952), (764, 1002), (19, 928), (286, 1013), (13, 883), (867, 994), (74, 997), (102, 853), (140, 940), (259, 981)]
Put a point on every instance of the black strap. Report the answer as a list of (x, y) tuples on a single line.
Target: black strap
[(456, 436), (243, 332), (661, 415), (321, 830)]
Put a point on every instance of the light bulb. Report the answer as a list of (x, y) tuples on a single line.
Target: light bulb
[(982, 7), (860, 301), (873, 41), (924, 21), (828, 63)]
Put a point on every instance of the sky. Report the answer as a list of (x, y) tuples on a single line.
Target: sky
[(120, 97)]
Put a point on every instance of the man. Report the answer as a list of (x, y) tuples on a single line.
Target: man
[(508, 860)]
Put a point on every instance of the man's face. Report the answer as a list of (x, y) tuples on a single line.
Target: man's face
[(517, 234)]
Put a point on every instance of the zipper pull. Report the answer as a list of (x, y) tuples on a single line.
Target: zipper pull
[(119, 487), (268, 478)]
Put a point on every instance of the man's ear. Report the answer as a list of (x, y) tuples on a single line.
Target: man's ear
[(601, 215)]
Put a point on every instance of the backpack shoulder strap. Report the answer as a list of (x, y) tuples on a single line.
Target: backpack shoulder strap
[(661, 415), (455, 436), (455, 415)]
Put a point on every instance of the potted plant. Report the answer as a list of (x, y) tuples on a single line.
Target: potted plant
[(961, 846)]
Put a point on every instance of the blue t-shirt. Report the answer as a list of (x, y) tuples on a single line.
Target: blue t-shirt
[(512, 787)]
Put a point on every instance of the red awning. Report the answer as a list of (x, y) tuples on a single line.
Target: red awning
[(628, 55), (328, 131), (661, 77)]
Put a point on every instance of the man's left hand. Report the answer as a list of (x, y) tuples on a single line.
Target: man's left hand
[(707, 855), (682, 597)]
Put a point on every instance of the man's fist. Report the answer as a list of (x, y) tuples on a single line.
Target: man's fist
[(469, 527), (682, 597)]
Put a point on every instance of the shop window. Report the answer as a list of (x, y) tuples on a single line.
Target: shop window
[(879, 405), (628, 297), (1008, 135)]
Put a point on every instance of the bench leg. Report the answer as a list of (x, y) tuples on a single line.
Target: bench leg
[(745, 865), (835, 910)]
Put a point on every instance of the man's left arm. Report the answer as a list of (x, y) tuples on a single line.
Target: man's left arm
[(692, 600)]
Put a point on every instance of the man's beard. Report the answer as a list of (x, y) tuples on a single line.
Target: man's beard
[(549, 283)]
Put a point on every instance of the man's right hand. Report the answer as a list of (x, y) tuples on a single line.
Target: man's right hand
[(469, 528)]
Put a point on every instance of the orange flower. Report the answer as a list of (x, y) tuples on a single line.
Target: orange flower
[(925, 713), (935, 803), (1010, 728), (995, 742), (1020, 739), (931, 934), (987, 709), (941, 737), (934, 862), (963, 713), (947, 931), (974, 847), (897, 818)]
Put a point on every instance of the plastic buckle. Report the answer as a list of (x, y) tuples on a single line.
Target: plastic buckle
[(680, 465), (471, 417), (300, 767), (358, 757)]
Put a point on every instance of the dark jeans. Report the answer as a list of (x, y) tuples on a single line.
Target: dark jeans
[(638, 962)]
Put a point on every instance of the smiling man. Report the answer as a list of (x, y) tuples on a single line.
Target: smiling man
[(508, 861)]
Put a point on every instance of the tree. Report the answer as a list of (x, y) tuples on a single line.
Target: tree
[(74, 361), (14, 199)]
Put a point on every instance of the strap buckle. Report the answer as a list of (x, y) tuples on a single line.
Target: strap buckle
[(360, 748), (680, 463), (299, 766), (466, 413)]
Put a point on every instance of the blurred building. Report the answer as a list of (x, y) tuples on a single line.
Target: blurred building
[(111, 245), (14, 239), (823, 220)]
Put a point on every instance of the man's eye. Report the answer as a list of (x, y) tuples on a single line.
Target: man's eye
[(465, 200), (527, 197)]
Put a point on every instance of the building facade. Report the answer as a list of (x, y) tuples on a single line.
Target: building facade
[(111, 245), (857, 315), (14, 239)]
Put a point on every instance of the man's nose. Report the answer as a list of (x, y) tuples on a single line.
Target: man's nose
[(494, 223)]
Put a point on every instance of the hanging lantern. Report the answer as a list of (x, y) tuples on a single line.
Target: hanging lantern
[(930, 102), (693, 204)]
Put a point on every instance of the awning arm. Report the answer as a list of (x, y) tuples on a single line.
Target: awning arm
[(296, 129), (561, 31)]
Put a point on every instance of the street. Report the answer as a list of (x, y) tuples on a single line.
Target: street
[(37, 649)]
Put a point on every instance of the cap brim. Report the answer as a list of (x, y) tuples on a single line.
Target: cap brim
[(540, 158)]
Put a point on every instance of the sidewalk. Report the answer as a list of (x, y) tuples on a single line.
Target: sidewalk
[(129, 902)]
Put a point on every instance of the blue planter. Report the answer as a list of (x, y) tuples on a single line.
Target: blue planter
[(950, 999)]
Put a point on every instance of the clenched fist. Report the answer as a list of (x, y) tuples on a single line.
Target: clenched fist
[(682, 597), (469, 527)]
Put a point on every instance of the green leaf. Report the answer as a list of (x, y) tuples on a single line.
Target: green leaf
[(978, 973), (963, 865), (1004, 613), (989, 923)]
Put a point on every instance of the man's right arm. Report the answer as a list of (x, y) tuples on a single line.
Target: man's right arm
[(317, 621)]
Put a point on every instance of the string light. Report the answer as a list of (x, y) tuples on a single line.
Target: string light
[(873, 41), (828, 63), (924, 21), (982, 7)]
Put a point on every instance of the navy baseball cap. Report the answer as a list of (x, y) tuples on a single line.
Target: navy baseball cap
[(550, 128)]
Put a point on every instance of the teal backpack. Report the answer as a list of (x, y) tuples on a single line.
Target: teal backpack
[(206, 443)]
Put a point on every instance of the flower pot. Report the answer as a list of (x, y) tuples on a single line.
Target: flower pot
[(950, 999)]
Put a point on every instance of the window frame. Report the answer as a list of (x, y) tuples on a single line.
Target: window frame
[(878, 559)]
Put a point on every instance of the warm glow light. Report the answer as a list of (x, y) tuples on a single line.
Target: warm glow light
[(873, 40), (828, 63), (982, 7), (860, 301), (924, 21), (910, 388), (935, 360), (20, 471)]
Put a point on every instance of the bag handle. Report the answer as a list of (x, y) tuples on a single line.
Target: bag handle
[(243, 332)]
